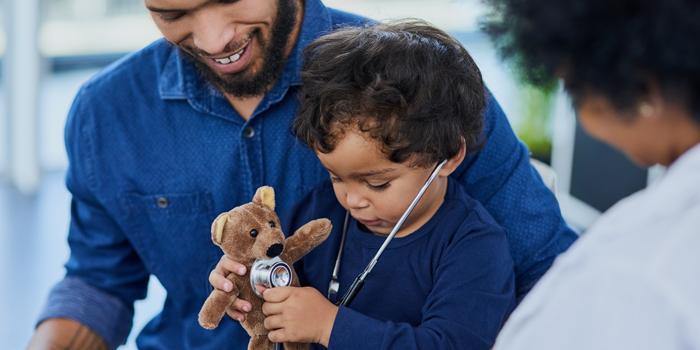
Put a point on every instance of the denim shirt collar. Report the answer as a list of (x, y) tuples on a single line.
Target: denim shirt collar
[(180, 79)]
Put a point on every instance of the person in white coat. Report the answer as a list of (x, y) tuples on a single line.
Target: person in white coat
[(632, 68)]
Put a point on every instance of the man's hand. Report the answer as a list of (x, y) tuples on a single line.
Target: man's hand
[(298, 315), (58, 333), (218, 280)]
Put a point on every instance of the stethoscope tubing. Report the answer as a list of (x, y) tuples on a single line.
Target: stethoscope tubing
[(359, 280)]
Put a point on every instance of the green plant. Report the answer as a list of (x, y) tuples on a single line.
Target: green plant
[(535, 127)]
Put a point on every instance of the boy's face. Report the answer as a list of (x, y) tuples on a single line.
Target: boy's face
[(377, 191)]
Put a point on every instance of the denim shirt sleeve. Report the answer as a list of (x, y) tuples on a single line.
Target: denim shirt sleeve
[(106, 315), (501, 178), (104, 275)]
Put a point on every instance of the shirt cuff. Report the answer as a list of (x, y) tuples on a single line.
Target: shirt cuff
[(353, 330), (103, 313)]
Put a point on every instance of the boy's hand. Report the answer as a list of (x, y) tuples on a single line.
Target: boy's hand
[(218, 280), (298, 315)]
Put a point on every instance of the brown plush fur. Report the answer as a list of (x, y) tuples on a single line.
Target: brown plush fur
[(231, 231)]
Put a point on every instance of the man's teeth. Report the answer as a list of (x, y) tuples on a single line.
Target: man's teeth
[(231, 59)]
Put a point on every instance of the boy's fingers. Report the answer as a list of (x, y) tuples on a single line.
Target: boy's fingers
[(272, 308), (235, 315), (218, 281), (273, 322), (277, 294), (260, 288), (227, 265), (241, 305), (278, 336)]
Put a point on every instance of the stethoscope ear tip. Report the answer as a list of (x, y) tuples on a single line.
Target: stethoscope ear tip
[(333, 287)]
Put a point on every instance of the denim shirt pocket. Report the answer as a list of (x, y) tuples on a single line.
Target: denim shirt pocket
[(171, 231)]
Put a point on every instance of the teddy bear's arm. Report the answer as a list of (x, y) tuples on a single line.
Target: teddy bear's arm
[(306, 238), (215, 306)]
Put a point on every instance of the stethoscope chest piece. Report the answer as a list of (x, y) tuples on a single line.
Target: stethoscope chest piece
[(270, 273)]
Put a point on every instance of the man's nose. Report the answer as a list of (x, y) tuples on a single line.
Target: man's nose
[(212, 32)]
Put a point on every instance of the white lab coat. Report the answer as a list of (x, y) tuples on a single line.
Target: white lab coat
[(631, 282)]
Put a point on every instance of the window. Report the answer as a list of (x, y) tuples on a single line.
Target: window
[(94, 27)]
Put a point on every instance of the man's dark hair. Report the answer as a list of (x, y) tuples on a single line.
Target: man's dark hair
[(618, 49), (408, 85)]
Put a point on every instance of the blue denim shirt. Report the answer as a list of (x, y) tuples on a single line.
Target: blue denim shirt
[(155, 153)]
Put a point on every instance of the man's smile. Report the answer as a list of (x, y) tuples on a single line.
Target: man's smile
[(232, 58)]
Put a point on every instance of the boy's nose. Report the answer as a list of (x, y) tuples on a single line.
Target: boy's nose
[(355, 200)]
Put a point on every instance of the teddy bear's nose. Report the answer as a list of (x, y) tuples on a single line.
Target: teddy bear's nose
[(274, 250)]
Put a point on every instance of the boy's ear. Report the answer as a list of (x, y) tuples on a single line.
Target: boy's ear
[(453, 163)]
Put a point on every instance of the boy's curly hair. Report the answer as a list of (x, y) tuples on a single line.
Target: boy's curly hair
[(408, 85), (618, 49)]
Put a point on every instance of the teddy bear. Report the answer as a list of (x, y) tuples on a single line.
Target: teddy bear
[(249, 233)]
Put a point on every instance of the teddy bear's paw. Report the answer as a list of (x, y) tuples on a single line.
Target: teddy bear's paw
[(321, 226), (207, 324), (316, 230)]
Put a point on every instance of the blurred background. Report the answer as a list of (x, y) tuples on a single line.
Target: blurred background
[(49, 47)]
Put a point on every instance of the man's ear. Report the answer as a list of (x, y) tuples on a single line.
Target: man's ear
[(453, 163), (217, 228), (265, 196)]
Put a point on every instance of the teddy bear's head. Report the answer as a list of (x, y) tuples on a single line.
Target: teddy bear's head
[(251, 231)]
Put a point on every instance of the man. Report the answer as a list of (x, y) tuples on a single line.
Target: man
[(163, 140)]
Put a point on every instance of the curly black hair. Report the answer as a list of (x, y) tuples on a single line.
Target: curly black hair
[(618, 49), (408, 85)]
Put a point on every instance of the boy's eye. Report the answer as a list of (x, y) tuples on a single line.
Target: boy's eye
[(335, 179), (378, 187)]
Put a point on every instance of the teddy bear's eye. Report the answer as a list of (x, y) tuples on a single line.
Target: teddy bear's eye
[(272, 224), (253, 233)]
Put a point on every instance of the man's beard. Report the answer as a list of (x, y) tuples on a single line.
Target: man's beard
[(237, 84)]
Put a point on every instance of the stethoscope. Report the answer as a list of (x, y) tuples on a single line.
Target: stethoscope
[(359, 281)]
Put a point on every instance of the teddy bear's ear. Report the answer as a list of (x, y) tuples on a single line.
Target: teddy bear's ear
[(217, 228), (265, 196)]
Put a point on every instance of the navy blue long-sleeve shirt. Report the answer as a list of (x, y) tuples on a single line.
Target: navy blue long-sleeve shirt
[(448, 285)]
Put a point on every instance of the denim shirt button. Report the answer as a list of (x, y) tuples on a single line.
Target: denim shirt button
[(162, 202), (249, 132)]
